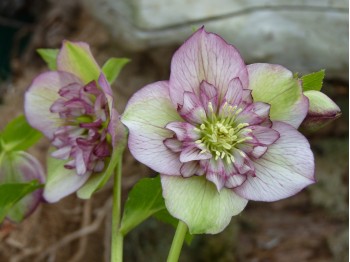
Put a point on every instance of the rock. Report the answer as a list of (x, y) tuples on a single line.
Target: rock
[(304, 36)]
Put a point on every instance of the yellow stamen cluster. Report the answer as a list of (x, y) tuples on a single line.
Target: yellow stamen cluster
[(220, 134)]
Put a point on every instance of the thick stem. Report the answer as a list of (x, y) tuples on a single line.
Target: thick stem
[(178, 240), (117, 237)]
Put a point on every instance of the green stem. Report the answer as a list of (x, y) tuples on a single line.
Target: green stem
[(117, 237), (178, 240)]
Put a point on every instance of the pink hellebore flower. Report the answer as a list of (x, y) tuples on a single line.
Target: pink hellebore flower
[(220, 133), (73, 107)]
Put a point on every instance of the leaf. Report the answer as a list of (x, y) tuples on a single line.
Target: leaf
[(97, 181), (164, 216), (49, 56), (18, 135), (145, 199), (112, 68), (313, 81), (11, 193)]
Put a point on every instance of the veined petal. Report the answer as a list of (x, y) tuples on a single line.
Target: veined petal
[(285, 169), (275, 85), (76, 58), (197, 202), (146, 115), (264, 135), (208, 94), (192, 152), (192, 109), (39, 98), (183, 131), (61, 181), (234, 92), (205, 56)]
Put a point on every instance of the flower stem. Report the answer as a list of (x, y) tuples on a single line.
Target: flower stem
[(178, 240), (117, 237)]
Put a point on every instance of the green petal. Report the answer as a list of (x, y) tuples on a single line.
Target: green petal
[(197, 202), (275, 85), (76, 58)]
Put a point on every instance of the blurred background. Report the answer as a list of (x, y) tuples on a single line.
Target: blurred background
[(304, 36)]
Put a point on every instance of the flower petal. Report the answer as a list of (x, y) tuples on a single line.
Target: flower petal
[(275, 85), (39, 98), (234, 92), (146, 115), (192, 109), (192, 152), (61, 181), (76, 58), (197, 202), (264, 135), (285, 169), (205, 56)]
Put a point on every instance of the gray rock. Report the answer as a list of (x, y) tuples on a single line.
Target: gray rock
[(302, 35)]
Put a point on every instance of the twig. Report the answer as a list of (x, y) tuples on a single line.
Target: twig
[(94, 226), (83, 240)]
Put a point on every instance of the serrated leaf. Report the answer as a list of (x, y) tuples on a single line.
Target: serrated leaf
[(145, 199), (313, 81), (18, 135), (49, 56), (112, 68), (11, 193)]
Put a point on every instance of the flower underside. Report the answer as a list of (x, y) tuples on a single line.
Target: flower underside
[(83, 138), (221, 137)]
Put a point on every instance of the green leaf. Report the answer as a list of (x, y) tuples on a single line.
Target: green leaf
[(97, 181), (112, 68), (18, 135), (145, 199), (11, 193), (313, 81), (49, 56)]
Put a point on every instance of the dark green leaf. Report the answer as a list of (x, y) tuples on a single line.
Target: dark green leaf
[(112, 68), (18, 135), (10, 194), (49, 56), (145, 199), (313, 81)]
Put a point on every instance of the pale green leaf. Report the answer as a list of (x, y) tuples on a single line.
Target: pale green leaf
[(112, 68), (313, 81), (49, 56)]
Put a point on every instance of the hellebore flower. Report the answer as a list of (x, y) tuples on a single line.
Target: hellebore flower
[(322, 111), (73, 107), (21, 167), (220, 133)]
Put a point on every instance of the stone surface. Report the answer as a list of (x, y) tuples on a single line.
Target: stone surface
[(302, 35)]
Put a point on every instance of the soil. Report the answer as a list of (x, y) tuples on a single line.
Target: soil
[(309, 227)]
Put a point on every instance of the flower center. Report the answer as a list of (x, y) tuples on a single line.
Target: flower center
[(220, 134)]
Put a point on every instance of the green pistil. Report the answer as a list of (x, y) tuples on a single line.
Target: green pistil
[(220, 134), (83, 119)]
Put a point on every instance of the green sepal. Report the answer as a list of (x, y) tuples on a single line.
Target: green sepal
[(76, 58), (112, 68), (49, 56), (18, 135), (313, 81), (12, 193), (97, 181)]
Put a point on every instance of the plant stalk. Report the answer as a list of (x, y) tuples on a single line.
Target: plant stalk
[(178, 240)]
